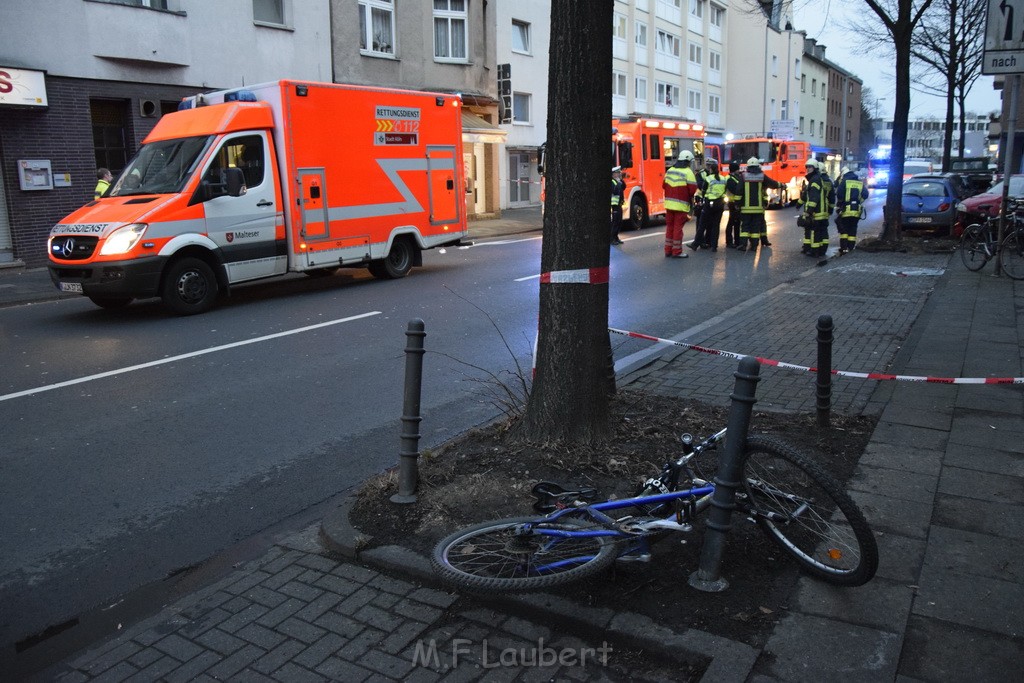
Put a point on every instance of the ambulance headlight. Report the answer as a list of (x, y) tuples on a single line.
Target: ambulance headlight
[(123, 240)]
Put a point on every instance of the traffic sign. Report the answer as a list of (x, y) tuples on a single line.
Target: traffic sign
[(1004, 38)]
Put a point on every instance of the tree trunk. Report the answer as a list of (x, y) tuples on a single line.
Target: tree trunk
[(900, 29), (569, 398)]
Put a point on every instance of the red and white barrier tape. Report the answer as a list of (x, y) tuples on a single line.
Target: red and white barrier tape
[(841, 373), (586, 276)]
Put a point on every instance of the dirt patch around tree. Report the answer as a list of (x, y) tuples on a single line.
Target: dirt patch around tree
[(483, 475)]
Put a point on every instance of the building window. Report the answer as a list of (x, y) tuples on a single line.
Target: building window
[(785, 109), (814, 87), (521, 107), (618, 84), (821, 129), (641, 88), (803, 83), (619, 26), (801, 125), (377, 27), (450, 38), (520, 37), (668, 44), (667, 94), (109, 134), (714, 104), (641, 36), (267, 11), (796, 68), (775, 65), (714, 60), (693, 99), (696, 54), (697, 9), (717, 16)]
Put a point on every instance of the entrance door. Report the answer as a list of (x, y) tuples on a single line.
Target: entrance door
[(518, 178)]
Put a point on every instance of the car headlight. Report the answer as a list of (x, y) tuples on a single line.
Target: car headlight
[(123, 240), (961, 207)]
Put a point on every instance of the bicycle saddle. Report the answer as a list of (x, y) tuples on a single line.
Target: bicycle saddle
[(550, 496)]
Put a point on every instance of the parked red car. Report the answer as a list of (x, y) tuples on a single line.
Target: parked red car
[(974, 209)]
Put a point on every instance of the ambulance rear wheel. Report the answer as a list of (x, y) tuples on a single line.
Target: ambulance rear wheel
[(189, 287), (111, 302), (397, 263)]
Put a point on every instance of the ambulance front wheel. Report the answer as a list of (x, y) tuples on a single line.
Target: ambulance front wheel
[(189, 286), (397, 263)]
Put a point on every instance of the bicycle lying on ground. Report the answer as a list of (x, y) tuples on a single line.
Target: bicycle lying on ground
[(979, 243), (789, 496)]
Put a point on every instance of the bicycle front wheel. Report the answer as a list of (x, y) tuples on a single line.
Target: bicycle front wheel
[(501, 556), (1011, 255), (973, 251), (808, 514)]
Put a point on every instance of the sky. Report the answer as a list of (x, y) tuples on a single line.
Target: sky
[(823, 19)]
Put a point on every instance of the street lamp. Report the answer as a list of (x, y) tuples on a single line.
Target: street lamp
[(878, 101)]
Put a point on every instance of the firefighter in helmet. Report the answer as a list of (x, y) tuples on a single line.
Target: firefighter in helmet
[(753, 203), (851, 194), (680, 187)]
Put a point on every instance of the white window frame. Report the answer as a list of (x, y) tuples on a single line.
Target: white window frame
[(669, 40), (450, 17), (697, 9), (663, 89), (695, 50), (717, 18), (284, 5), (519, 98), (619, 26), (640, 83), (714, 60), (619, 88), (714, 104), (521, 30), (641, 35), (694, 99), (366, 8)]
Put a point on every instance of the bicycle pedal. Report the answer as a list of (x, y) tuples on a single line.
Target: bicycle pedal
[(642, 557)]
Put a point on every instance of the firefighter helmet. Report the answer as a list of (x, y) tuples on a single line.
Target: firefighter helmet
[(685, 156), (753, 161), (813, 163)]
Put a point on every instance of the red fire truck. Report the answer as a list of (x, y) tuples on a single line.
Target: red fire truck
[(781, 160), (645, 147)]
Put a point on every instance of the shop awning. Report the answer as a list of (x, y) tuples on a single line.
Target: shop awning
[(475, 129)]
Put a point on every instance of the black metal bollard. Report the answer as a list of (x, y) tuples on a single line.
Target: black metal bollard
[(408, 472), (708, 577), (824, 380)]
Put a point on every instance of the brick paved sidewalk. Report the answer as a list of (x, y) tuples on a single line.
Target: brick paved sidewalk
[(297, 615)]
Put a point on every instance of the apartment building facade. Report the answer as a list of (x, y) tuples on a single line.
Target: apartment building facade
[(90, 78), (443, 45)]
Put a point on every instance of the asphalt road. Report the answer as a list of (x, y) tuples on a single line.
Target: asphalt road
[(136, 443)]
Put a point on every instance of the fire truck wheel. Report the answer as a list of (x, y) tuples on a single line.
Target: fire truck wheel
[(111, 302), (638, 217), (397, 263), (189, 287)]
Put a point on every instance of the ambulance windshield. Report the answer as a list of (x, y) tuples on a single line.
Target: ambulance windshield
[(162, 167)]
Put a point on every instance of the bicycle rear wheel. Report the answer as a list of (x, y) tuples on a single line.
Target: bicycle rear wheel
[(808, 514), (973, 251), (498, 556), (1011, 255)]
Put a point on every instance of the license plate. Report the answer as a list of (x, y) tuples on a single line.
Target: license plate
[(71, 287), (920, 219)]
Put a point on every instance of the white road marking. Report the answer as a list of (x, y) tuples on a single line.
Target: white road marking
[(193, 354)]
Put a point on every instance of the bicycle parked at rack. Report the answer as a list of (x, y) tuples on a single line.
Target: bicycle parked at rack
[(979, 243), (789, 497)]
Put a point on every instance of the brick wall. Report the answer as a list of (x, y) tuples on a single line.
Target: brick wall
[(62, 133)]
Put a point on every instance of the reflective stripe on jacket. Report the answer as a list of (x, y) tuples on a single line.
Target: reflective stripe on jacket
[(680, 186), (851, 198)]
